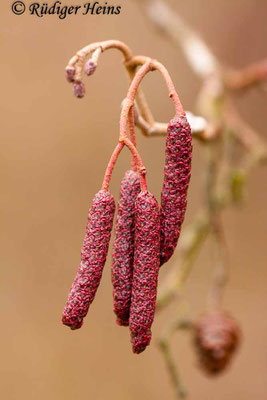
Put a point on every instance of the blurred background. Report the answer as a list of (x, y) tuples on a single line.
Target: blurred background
[(54, 150)]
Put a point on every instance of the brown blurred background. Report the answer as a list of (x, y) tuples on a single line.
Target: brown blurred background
[(54, 150)]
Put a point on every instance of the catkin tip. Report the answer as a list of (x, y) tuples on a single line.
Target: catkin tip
[(70, 73), (79, 89), (90, 67)]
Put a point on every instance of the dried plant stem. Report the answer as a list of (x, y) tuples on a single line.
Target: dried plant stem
[(165, 347), (172, 368), (190, 244), (245, 78), (214, 210), (170, 24)]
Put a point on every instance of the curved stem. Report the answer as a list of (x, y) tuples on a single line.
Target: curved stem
[(156, 65), (131, 126), (96, 54), (111, 165), (131, 63), (78, 61), (138, 162), (129, 101)]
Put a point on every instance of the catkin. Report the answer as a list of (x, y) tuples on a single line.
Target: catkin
[(146, 267), (93, 257), (123, 247), (177, 174), (216, 336)]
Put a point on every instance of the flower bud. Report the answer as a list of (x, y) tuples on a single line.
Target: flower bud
[(79, 89), (70, 73), (90, 67)]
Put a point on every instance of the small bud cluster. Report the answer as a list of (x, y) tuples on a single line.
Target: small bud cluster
[(77, 85), (216, 336)]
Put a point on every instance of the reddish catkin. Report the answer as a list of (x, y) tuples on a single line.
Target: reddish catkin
[(216, 337), (177, 174), (123, 247), (146, 268), (93, 257)]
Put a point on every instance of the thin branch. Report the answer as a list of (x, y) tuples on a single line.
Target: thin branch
[(245, 78), (190, 245), (172, 368), (200, 58)]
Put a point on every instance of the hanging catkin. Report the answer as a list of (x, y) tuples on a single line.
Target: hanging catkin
[(177, 174), (146, 267), (123, 248), (93, 257)]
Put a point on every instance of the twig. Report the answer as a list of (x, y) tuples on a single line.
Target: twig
[(190, 245), (164, 345), (145, 120)]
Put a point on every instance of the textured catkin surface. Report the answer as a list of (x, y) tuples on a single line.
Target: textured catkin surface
[(93, 257), (177, 172), (123, 247), (216, 337), (146, 267)]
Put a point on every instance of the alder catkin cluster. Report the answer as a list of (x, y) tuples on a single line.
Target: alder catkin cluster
[(145, 236), (216, 336)]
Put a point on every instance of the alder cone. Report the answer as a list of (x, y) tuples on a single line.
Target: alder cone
[(216, 337), (123, 247), (146, 268), (177, 172), (93, 257)]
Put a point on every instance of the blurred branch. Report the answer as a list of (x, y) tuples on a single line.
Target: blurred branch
[(189, 247), (169, 23), (164, 345), (198, 55), (252, 75), (224, 181)]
